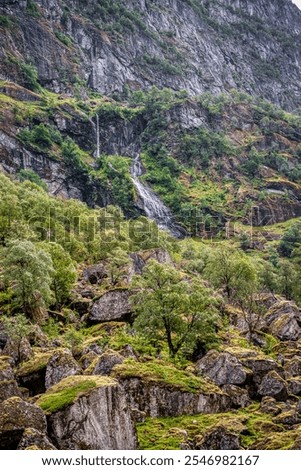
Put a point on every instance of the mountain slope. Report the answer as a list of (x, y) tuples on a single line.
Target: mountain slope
[(199, 46)]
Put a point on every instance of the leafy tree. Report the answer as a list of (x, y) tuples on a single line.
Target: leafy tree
[(28, 271), (172, 309), (290, 240), (229, 269), (64, 274), (287, 278), (117, 266)]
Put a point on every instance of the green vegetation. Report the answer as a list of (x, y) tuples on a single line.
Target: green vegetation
[(27, 270), (162, 65), (5, 21), (249, 423), (69, 390), (30, 175), (32, 8), (64, 38), (156, 371), (171, 309)]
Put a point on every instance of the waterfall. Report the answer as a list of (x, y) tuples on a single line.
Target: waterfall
[(97, 137), (96, 130), (152, 204)]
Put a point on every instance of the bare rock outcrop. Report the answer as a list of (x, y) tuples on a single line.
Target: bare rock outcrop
[(113, 305), (62, 364), (96, 417), (222, 368)]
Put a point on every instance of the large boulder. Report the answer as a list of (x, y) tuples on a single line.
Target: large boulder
[(89, 413), (273, 385), (104, 364), (260, 366), (222, 368), (219, 438), (157, 389), (283, 320), (239, 396), (31, 374), (113, 305), (60, 365), (17, 415)]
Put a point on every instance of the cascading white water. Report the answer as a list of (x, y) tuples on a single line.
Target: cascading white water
[(96, 130), (152, 204), (97, 137)]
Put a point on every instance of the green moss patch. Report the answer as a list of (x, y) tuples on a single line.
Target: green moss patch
[(38, 362), (68, 390), (160, 372), (249, 423)]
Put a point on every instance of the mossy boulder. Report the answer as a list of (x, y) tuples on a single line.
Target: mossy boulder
[(283, 320), (160, 389), (32, 438), (16, 415), (273, 385), (113, 305), (219, 437), (239, 396), (223, 368), (6, 368), (62, 364), (104, 364), (31, 374), (9, 388), (270, 406), (288, 418), (294, 385), (89, 412), (292, 367)]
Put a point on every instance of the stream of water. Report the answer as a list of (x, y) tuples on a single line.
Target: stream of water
[(153, 207)]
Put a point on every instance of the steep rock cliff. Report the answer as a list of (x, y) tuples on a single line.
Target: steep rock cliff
[(182, 44)]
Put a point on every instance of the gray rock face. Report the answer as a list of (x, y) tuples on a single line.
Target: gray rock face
[(219, 438), (292, 367), (114, 305), (294, 385), (105, 363), (61, 365), (273, 385), (222, 368), (9, 388), (15, 416), (157, 400), (239, 396), (181, 46), (284, 320), (260, 367), (99, 420), (32, 437)]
